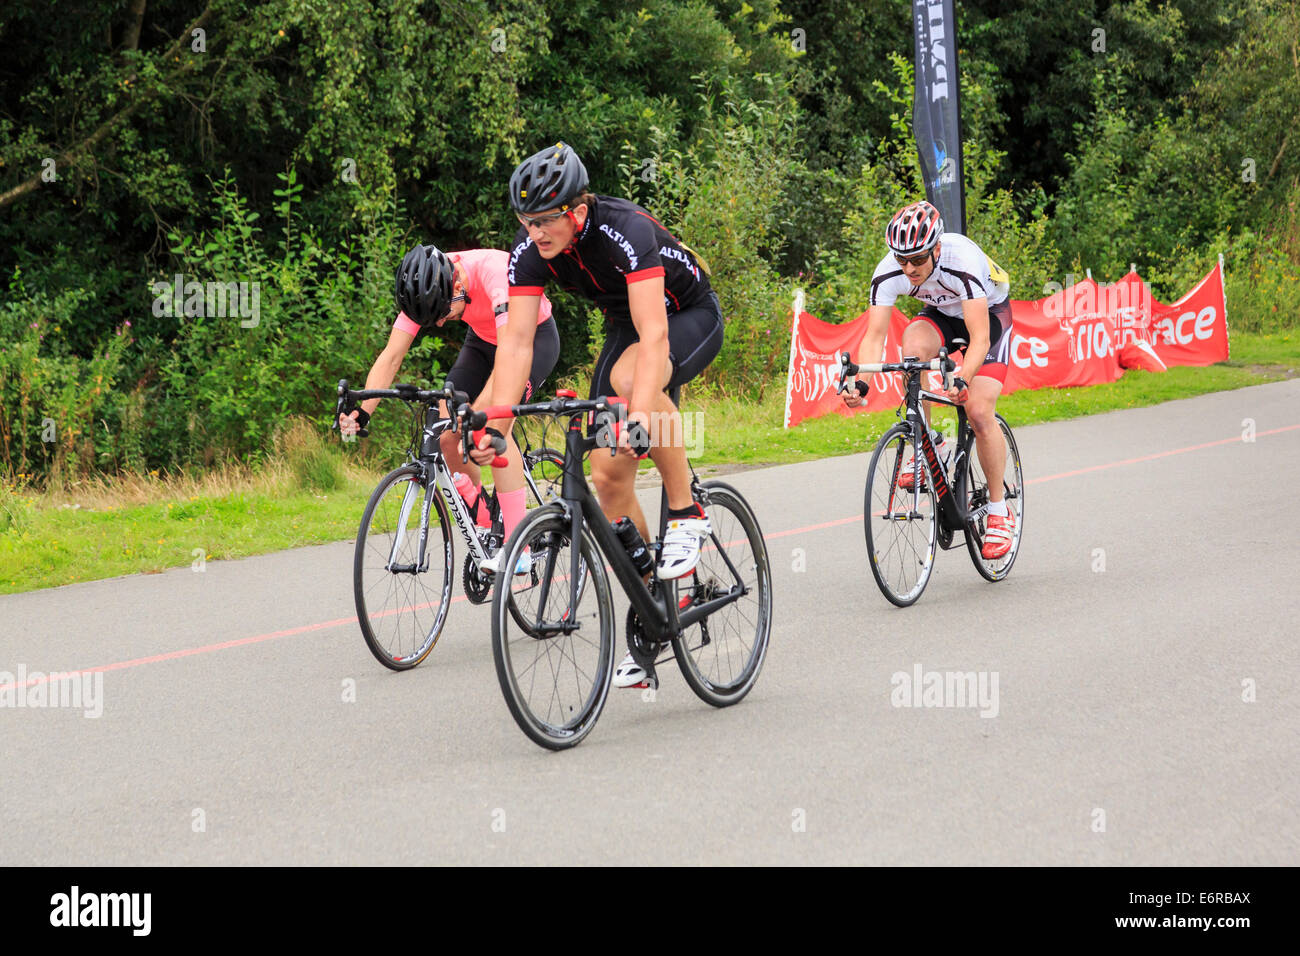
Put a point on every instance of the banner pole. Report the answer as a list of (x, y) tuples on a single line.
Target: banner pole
[(1223, 287), (797, 306)]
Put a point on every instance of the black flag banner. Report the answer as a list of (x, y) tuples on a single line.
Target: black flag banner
[(936, 110)]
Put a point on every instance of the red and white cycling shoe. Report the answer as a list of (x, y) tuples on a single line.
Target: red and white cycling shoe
[(997, 539), (907, 477)]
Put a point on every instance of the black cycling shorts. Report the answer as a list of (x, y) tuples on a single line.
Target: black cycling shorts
[(478, 357), (694, 340), (955, 336)]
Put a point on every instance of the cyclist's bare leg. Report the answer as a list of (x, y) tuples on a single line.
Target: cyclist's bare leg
[(615, 477), (668, 453), (921, 340), (981, 402), (449, 442)]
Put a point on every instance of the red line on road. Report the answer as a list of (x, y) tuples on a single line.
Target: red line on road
[(1160, 454), (324, 625), (205, 649)]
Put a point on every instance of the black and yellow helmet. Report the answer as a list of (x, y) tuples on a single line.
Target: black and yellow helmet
[(547, 180)]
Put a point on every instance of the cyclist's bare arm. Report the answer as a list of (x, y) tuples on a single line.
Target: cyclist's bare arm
[(645, 300), (382, 374), (514, 359), (869, 349)]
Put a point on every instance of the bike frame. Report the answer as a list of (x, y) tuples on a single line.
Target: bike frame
[(434, 466), (953, 515), (433, 474), (952, 501), (951, 496), (658, 614)]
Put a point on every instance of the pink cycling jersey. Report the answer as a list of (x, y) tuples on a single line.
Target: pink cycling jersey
[(489, 293)]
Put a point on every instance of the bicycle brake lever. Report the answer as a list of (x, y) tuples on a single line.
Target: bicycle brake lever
[(340, 396), (341, 408), (844, 373)]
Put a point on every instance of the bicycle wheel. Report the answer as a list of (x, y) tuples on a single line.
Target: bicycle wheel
[(902, 526), (721, 655), (977, 496), (555, 673), (401, 608), (545, 466)]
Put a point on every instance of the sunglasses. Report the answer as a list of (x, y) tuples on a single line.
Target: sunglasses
[(920, 260), (541, 222)]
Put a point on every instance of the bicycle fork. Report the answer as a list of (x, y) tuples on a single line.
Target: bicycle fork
[(399, 537)]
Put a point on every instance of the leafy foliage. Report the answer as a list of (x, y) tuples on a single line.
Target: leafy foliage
[(299, 147)]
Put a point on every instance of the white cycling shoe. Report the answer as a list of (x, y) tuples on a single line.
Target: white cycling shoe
[(630, 674), (493, 564), (683, 539)]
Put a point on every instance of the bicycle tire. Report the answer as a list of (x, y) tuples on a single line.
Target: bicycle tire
[(723, 679), (565, 723), (895, 554), (383, 627), (548, 484), (975, 491)]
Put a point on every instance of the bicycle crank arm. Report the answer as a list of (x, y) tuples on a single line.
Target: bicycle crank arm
[(540, 631)]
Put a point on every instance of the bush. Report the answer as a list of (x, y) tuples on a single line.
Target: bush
[(321, 314), (58, 406), (722, 195)]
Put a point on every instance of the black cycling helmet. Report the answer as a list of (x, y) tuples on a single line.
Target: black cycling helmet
[(547, 179), (424, 283)]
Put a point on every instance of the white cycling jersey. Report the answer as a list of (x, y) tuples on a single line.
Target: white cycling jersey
[(962, 272)]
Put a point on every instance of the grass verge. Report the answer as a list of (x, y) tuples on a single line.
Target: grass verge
[(314, 493)]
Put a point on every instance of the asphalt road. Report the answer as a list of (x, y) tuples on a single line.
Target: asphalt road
[(1144, 651)]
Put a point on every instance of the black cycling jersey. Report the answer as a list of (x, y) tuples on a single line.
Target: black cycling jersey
[(620, 243)]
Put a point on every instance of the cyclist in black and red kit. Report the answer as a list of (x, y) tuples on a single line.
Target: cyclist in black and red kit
[(663, 327)]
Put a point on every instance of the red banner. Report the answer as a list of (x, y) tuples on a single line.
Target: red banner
[(1084, 334)]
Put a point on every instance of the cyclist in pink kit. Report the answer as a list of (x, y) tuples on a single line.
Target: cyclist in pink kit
[(433, 287)]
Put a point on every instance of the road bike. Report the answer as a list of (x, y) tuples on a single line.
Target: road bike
[(404, 562), (904, 526), (553, 630)]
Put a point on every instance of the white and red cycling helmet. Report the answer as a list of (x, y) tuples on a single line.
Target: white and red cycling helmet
[(914, 229)]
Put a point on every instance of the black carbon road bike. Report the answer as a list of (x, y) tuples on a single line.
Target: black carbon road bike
[(904, 526), (553, 630)]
